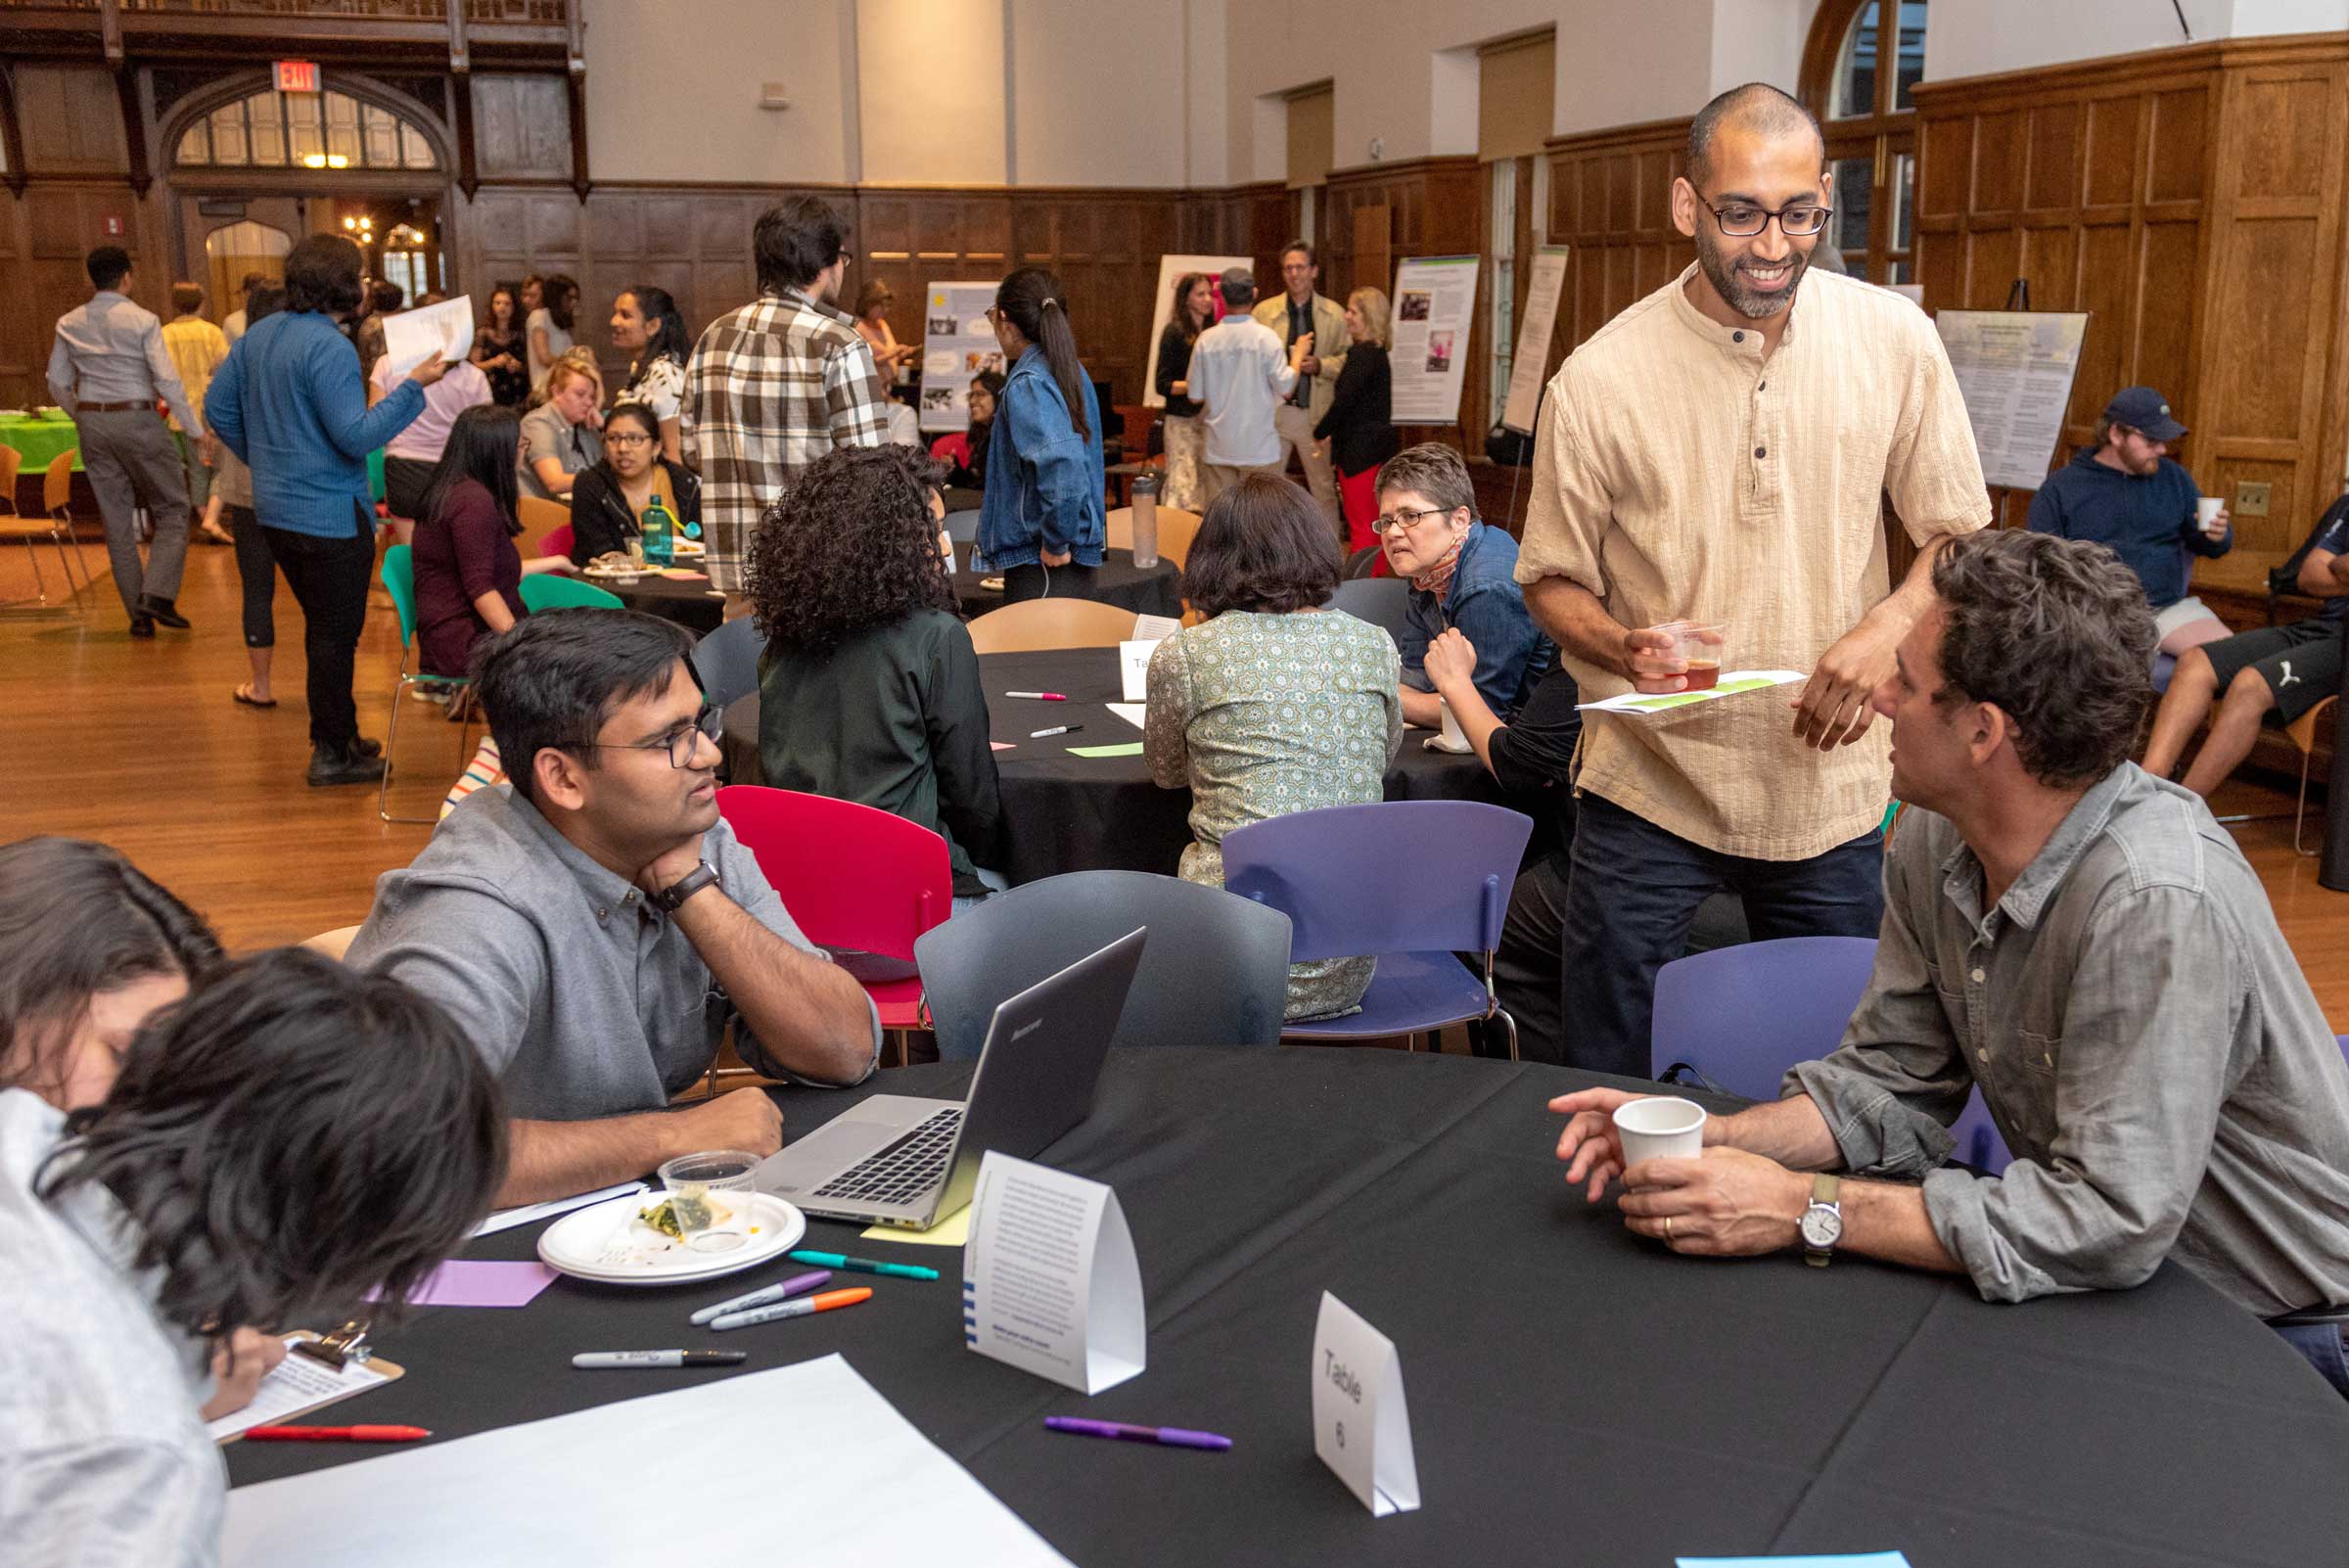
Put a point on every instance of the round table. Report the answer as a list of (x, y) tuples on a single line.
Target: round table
[(1064, 812), (1145, 590), (688, 601), (1577, 1393), (38, 441)]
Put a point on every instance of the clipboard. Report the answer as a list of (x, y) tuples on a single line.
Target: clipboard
[(306, 1381)]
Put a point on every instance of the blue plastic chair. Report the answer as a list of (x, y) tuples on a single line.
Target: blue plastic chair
[(726, 662), (1412, 882), (400, 581)]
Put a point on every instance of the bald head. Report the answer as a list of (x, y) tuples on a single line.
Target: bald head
[(1756, 109)]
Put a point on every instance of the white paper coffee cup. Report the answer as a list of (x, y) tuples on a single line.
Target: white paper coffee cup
[(2206, 511), (1454, 740), (1661, 1127)]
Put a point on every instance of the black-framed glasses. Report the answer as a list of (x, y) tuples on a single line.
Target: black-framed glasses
[(680, 743), (1797, 220), (1388, 522), (638, 440)]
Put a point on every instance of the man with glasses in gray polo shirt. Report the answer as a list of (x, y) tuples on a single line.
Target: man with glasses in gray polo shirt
[(594, 924)]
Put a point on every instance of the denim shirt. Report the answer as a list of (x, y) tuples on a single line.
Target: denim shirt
[(2143, 1038), (1043, 481), (1483, 601), (289, 403)]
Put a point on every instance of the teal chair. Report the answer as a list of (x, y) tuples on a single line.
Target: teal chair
[(400, 581), (544, 590)]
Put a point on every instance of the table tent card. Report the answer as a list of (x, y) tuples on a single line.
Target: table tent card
[(1362, 1427), (1133, 669), (1050, 1283)]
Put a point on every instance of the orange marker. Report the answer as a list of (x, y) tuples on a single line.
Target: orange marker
[(794, 1309)]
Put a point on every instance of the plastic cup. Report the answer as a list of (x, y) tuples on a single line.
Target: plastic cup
[(1660, 1127), (2206, 511), (1704, 646), (709, 1193)]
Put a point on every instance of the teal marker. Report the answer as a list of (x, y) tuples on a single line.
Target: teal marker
[(862, 1266)]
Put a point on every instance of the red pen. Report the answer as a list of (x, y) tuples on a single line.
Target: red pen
[(1039, 696), (337, 1434)]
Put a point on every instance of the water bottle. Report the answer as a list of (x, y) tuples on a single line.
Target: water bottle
[(659, 528), (1145, 519)]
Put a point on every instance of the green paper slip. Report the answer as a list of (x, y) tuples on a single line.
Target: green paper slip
[(1681, 699), (1130, 749)]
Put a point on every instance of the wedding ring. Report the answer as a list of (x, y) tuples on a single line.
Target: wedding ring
[(1668, 1228)]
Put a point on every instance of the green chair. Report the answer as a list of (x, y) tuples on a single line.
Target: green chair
[(400, 581), (544, 590)]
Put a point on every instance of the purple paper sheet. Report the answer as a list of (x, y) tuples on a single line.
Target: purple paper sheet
[(464, 1282)]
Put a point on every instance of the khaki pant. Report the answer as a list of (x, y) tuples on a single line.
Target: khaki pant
[(1295, 427), (1185, 443), (1217, 478)]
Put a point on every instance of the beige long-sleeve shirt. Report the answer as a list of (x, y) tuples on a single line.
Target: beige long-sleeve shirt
[(1679, 475)]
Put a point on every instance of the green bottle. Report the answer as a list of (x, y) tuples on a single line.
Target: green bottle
[(659, 532)]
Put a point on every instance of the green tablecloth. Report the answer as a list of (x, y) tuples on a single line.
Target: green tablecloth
[(38, 441)]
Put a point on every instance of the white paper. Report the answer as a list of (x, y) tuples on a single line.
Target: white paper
[(1155, 628), (1435, 308), (413, 336), (1133, 669), (1049, 1279), (296, 1383), (1361, 1425), (1532, 356), (1733, 683), (707, 1474), (958, 344), (508, 1219), (1170, 267), (1135, 713), (2014, 369)]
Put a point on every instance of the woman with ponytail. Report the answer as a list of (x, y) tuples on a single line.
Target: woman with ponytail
[(1042, 522)]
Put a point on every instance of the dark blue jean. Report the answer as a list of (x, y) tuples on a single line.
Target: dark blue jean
[(1633, 892), (2321, 1344)]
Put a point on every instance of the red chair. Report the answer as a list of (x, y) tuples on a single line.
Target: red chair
[(855, 878)]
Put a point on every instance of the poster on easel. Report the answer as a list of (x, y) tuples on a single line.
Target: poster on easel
[(2014, 369), (1435, 306), (1543, 286), (958, 344), (1170, 267)]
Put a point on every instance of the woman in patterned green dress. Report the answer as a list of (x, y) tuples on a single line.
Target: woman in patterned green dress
[(1273, 705)]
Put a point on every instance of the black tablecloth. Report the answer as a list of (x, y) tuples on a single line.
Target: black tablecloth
[(690, 602), (1080, 813), (1577, 1394), (1146, 592)]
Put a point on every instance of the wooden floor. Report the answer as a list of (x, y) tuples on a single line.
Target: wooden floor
[(137, 743)]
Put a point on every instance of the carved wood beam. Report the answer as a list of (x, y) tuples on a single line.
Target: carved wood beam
[(135, 128), (110, 32), (460, 101), (460, 47), (575, 78), (12, 134)]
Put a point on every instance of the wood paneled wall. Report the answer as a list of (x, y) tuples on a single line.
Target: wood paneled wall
[(1378, 214), (1610, 199)]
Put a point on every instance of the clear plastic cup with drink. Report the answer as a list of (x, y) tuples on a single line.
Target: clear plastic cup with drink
[(1703, 646), (708, 1195)]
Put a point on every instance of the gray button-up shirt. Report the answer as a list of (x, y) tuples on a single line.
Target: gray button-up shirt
[(2143, 1038), (111, 351), (581, 997)]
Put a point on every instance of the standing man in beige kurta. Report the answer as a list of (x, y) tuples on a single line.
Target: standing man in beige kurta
[(1717, 453)]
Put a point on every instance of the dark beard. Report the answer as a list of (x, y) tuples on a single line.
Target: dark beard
[(1733, 290)]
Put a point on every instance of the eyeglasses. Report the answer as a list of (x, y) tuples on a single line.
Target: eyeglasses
[(627, 440), (680, 743), (1392, 521), (1797, 220)]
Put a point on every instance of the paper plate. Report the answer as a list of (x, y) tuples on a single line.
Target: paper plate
[(606, 1243)]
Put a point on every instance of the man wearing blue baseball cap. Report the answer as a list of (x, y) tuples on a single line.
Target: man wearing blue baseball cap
[(2125, 493)]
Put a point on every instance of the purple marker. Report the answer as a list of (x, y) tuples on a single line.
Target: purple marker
[(789, 1288), (1173, 1437)]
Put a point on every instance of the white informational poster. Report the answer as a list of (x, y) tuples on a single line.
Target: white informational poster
[(1532, 356), (1435, 306), (413, 336), (1170, 267), (958, 344), (1050, 1283), (2014, 370)]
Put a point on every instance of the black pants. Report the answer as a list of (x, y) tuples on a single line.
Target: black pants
[(405, 480), (1036, 581), (1529, 965), (329, 580), (256, 572)]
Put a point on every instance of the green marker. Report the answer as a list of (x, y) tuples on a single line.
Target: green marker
[(862, 1266)]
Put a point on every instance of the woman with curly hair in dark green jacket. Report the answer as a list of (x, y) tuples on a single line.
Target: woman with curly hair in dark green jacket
[(869, 687)]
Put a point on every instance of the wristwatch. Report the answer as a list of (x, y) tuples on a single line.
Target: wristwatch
[(704, 875), (1822, 1221)]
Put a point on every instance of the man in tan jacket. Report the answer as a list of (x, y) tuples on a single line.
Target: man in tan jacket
[(1292, 315)]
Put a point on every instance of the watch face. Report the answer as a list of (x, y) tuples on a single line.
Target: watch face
[(1823, 1226)]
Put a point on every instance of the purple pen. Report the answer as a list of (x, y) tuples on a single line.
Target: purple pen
[(796, 1284), (1173, 1437)]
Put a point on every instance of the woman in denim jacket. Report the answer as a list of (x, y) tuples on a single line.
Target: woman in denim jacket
[(1042, 522)]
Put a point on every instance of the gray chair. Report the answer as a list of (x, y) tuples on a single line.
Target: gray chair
[(1384, 602), (726, 662), (963, 526), (1214, 971)]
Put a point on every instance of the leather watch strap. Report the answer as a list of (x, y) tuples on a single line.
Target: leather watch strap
[(685, 886)]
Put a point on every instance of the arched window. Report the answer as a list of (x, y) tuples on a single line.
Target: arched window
[(1860, 68), (303, 130)]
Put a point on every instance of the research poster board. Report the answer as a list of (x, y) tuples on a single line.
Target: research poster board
[(1170, 267), (958, 344), (1532, 356), (2014, 370), (1435, 306)]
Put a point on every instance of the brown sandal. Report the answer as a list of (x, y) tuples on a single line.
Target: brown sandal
[(242, 695)]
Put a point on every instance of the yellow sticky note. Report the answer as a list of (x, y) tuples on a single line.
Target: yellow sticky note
[(952, 1233)]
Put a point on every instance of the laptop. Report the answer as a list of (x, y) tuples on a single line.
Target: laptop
[(897, 1159)]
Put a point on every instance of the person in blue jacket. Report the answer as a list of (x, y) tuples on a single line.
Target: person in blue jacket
[(2125, 493), (291, 403), (1041, 522)]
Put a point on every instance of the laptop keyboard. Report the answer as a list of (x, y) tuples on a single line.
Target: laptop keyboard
[(905, 1171)]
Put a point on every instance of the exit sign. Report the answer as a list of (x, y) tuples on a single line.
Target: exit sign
[(297, 75)]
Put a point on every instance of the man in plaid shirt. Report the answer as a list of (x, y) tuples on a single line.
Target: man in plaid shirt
[(775, 385)]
